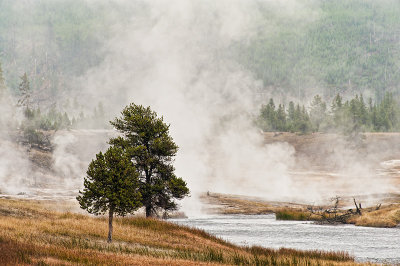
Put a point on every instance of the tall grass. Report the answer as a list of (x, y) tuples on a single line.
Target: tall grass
[(49, 237), (294, 215)]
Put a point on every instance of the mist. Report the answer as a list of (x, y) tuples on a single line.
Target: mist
[(181, 58), (177, 58)]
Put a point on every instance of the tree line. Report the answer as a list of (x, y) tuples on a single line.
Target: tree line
[(353, 115), (39, 117)]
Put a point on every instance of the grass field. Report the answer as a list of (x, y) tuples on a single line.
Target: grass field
[(32, 233)]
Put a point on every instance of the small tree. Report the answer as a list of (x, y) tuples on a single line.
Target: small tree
[(25, 91), (146, 139), (317, 112), (111, 185)]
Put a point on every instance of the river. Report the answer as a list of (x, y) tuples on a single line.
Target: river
[(365, 243)]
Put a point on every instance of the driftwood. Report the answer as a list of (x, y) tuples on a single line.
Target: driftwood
[(358, 207), (334, 215)]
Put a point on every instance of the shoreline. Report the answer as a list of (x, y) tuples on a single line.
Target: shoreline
[(32, 232), (387, 215)]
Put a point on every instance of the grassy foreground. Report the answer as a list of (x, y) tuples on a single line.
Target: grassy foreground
[(32, 233)]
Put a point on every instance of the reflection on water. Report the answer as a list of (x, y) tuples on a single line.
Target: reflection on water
[(365, 243)]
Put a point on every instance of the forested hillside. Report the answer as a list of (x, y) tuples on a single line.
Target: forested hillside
[(347, 47), (50, 41)]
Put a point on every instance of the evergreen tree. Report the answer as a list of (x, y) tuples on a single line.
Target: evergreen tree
[(268, 116), (147, 141), (111, 185), (25, 92), (317, 112), (291, 111), (291, 117), (281, 118), (388, 113), (363, 111), (337, 111), (350, 117)]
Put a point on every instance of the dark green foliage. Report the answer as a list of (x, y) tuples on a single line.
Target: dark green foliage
[(296, 120), (111, 182), (147, 141), (349, 117), (317, 112), (111, 185), (25, 92)]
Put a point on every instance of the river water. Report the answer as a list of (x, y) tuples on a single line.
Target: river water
[(365, 243)]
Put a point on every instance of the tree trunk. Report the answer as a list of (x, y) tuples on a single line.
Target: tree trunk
[(148, 200), (148, 211), (110, 226)]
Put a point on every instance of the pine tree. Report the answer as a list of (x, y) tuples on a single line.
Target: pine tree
[(317, 112), (25, 92), (337, 111), (146, 139), (362, 109), (111, 185), (268, 116), (281, 118), (291, 117)]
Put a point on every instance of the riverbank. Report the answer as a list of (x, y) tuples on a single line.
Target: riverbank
[(386, 212), (385, 217), (32, 232)]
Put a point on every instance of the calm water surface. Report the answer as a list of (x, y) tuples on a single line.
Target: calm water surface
[(365, 243)]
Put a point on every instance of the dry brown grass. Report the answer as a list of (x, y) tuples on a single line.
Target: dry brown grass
[(387, 216), (31, 233)]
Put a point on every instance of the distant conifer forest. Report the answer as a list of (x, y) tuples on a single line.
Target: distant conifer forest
[(339, 116)]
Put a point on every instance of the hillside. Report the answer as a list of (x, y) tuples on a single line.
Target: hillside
[(32, 233), (333, 47), (324, 46)]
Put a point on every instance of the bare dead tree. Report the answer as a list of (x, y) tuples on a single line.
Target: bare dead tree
[(358, 207), (336, 205)]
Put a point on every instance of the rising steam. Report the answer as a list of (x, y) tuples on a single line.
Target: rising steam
[(176, 56)]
